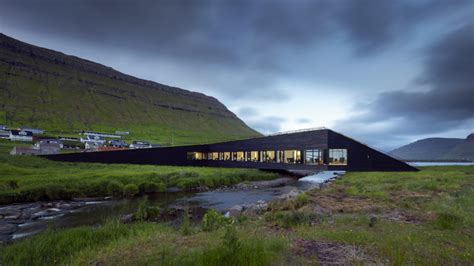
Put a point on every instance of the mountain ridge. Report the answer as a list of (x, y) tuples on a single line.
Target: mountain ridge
[(437, 149), (36, 85)]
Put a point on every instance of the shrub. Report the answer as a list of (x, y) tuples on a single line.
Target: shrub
[(446, 220), (212, 220), (146, 212), (185, 225), (188, 183), (301, 199), (294, 218), (130, 190), (13, 184), (115, 189), (151, 187)]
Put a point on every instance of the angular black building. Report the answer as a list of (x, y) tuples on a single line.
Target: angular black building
[(321, 149)]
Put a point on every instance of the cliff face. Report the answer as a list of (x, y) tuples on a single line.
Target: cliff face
[(48, 89)]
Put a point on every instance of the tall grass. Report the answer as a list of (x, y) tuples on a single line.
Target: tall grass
[(24, 178)]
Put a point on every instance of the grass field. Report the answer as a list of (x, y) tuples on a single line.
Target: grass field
[(29, 178), (423, 218)]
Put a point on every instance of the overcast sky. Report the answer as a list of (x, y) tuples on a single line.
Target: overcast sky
[(382, 71)]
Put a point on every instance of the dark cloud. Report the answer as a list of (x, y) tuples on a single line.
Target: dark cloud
[(447, 104), (256, 37), (373, 24)]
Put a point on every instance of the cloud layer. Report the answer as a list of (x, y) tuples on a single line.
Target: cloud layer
[(253, 54)]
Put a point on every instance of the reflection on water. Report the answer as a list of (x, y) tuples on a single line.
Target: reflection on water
[(96, 213)]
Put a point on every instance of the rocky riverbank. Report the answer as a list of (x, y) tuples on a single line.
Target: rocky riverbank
[(16, 217), (261, 206)]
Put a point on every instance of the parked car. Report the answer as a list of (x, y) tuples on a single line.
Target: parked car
[(138, 144), (118, 143)]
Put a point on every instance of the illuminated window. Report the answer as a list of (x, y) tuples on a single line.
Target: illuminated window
[(221, 156), (338, 157), (240, 156), (252, 156), (269, 156), (313, 156), (194, 156), (214, 156), (248, 156), (290, 156), (227, 156)]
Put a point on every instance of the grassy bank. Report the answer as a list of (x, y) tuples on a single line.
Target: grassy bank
[(27, 178), (424, 218)]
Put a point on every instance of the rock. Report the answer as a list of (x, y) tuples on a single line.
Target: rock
[(126, 219), (235, 211), (7, 229), (293, 193), (12, 216), (173, 189)]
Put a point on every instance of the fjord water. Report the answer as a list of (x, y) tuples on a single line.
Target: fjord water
[(96, 213)]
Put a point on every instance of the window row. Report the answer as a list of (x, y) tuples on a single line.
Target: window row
[(313, 156)]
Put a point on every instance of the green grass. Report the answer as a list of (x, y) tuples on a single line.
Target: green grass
[(422, 218), (61, 99), (143, 244), (28, 178)]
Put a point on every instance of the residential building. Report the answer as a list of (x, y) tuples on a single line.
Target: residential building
[(35, 131), (21, 135), (24, 151)]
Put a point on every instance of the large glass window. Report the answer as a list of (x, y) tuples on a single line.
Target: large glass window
[(227, 156), (240, 156), (234, 156), (313, 156), (214, 156), (338, 157), (253, 156), (269, 156), (194, 155), (290, 156)]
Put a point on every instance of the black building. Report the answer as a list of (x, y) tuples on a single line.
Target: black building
[(321, 149)]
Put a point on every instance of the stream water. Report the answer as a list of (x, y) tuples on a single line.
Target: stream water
[(97, 212)]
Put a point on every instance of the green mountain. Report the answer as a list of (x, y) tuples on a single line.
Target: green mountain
[(437, 149), (63, 94)]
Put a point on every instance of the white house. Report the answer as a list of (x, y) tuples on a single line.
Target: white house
[(35, 131), (20, 135)]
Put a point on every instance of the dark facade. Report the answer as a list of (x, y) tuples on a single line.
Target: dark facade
[(322, 149)]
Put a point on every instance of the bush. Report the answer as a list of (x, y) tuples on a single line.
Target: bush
[(301, 199), (146, 212), (151, 187), (130, 190), (294, 218), (185, 225), (115, 189), (446, 220), (213, 220)]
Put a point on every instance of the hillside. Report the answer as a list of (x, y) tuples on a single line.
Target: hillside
[(437, 149), (61, 93)]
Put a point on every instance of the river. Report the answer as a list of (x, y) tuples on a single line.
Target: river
[(87, 212)]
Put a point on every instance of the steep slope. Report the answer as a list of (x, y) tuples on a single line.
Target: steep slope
[(463, 151), (437, 149), (57, 92)]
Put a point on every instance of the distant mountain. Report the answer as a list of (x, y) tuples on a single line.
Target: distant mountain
[(57, 92), (437, 149)]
